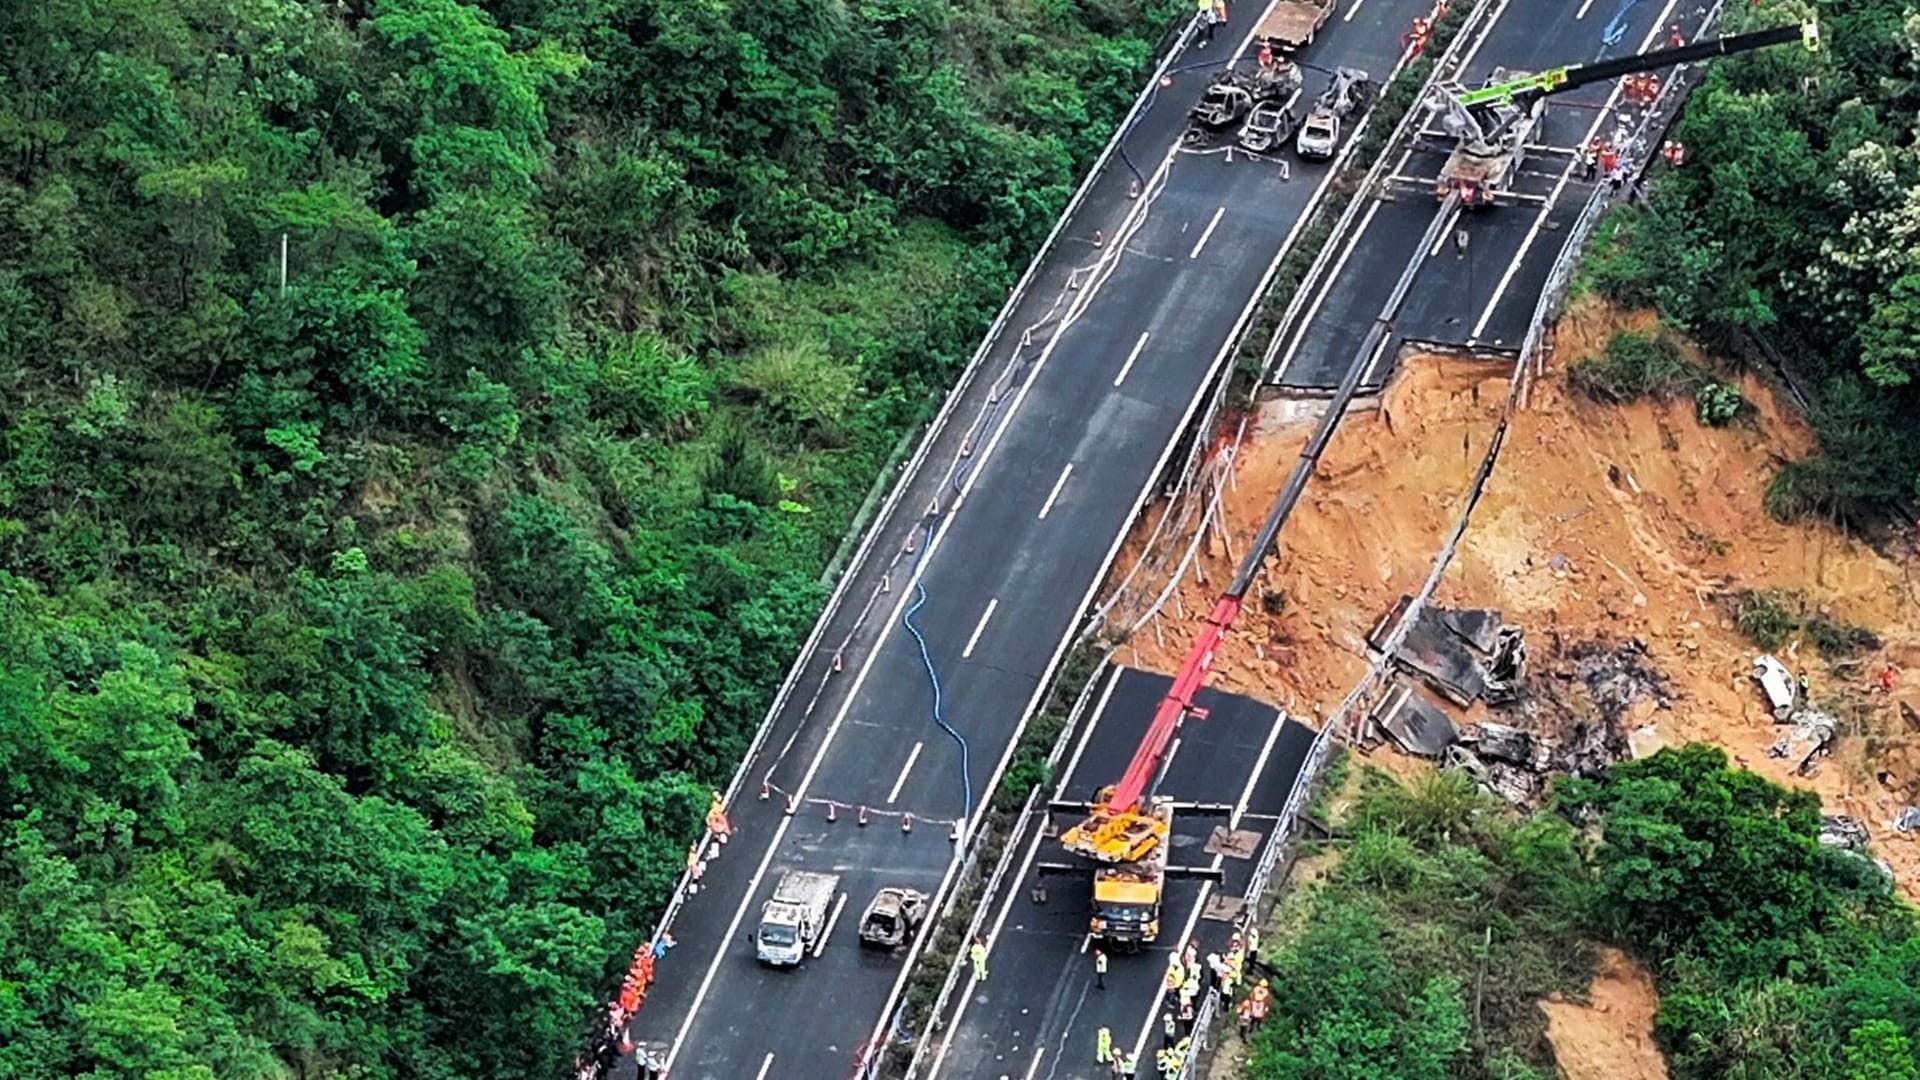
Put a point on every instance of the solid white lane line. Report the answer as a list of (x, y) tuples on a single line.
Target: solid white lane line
[(904, 770), (1356, 7), (1540, 219), (979, 628), (873, 656), (764, 1066), (1445, 234), (833, 920), (1326, 286), (1033, 1070), (1486, 31), (1099, 710), (1582, 13), (1205, 236), (1206, 887), (1012, 887), (1055, 493), (1135, 354)]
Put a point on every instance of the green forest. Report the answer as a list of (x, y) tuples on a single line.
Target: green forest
[(1423, 952), (1789, 235), (371, 637)]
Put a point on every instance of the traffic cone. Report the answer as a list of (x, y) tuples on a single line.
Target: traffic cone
[(1099, 237), (953, 831), (906, 823), (793, 803), (831, 818), (837, 665), (1133, 188), (766, 789), (863, 815)]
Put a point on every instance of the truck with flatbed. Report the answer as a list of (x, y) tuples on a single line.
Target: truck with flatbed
[(794, 918), (1291, 24)]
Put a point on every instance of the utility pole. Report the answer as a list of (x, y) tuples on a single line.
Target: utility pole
[(283, 264)]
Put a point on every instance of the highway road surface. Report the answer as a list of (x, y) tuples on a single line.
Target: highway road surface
[(1027, 513), (1037, 1014), (1480, 286)]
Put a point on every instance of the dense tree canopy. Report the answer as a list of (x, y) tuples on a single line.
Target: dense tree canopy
[(1446, 919), (1795, 221), (368, 643)]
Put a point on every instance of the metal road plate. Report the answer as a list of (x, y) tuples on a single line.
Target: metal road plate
[(1235, 843), (1224, 908)]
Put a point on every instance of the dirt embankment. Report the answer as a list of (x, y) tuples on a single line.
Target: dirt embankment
[(1600, 523), (1611, 1037)]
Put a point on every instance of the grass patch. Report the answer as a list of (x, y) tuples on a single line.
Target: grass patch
[(1632, 367), (1770, 617)]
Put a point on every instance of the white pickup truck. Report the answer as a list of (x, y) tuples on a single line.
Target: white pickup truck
[(795, 918)]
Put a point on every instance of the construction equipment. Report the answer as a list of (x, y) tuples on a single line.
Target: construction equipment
[(1291, 24), (1320, 134), (892, 917), (795, 918), (1492, 125)]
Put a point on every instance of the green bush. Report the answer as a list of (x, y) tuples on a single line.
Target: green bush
[(1765, 617), (1716, 404), (1632, 367)]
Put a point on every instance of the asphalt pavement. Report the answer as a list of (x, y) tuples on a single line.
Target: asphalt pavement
[(1038, 1012), (1479, 286), (1127, 338)]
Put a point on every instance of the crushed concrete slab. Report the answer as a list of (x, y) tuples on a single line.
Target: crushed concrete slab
[(1415, 724), (1437, 651), (1810, 736), (1843, 831), (1479, 626)]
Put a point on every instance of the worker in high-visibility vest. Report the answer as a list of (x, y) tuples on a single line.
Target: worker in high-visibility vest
[(1100, 969), (1258, 1000), (1175, 976), (1103, 1046), (978, 955)]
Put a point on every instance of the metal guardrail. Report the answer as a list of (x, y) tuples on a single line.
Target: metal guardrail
[(1552, 296), (909, 472)]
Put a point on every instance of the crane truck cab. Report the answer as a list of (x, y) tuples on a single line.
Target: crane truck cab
[(1129, 886)]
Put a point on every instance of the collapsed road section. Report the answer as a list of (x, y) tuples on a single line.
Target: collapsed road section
[(907, 704)]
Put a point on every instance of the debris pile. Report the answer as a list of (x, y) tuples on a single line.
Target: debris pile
[(1473, 660), (1809, 735)]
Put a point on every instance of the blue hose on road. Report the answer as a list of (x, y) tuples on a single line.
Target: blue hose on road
[(933, 676)]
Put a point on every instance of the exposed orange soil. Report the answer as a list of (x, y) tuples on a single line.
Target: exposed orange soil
[(1599, 522), (1611, 1037)]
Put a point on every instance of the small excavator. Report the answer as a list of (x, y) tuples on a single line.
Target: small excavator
[(1491, 125)]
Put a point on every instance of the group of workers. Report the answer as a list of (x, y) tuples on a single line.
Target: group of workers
[(1187, 977), (1212, 13)]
